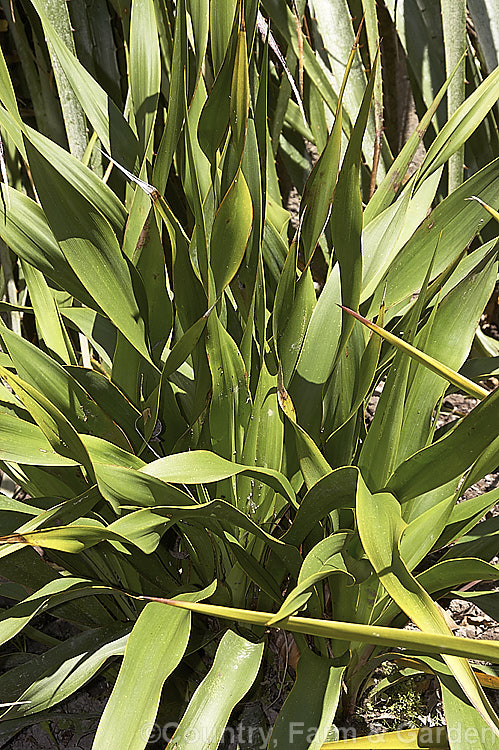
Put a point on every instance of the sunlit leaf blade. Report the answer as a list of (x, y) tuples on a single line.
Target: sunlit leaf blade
[(47, 315), (202, 466), (321, 562), (462, 123), (57, 429), (50, 678), (72, 538), (313, 465), (491, 211), (215, 115), (154, 648), (145, 527), (232, 674), (318, 354), (338, 34), (183, 400), (176, 100), (450, 456), (383, 636), (449, 228), (336, 490), (458, 712), (61, 389), (145, 71), (24, 442), (440, 338), (93, 188), (450, 573), (295, 301), (380, 529), (91, 249), (445, 372), (240, 94), (49, 595), (25, 229), (412, 739), (284, 20), (221, 17)]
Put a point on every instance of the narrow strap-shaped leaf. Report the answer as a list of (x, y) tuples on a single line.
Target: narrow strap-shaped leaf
[(312, 702), (118, 484), (450, 456), (73, 538), (336, 490), (465, 726), (230, 233), (430, 643), (89, 184), (346, 215), (294, 304), (230, 407), (441, 578), (312, 463), (13, 620), (232, 674), (392, 182), (221, 18), (318, 353), (57, 385), (144, 68), (99, 108), (38, 246), (319, 189), (25, 443), (445, 372), (199, 239), (154, 648), (59, 432), (263, 444), (48, 318), (200, 19), (451, 225), (145, 527), (380, 527), (53, 676), (283, 19), (240, 93), (176, 99), (215, 116), (366, 374), (196, 467), (321, 562), (462, 124), (91, 248), (489, 209), (439, 339), (427, 738)]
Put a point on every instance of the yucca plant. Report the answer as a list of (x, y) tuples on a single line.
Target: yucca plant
[(184, 377)]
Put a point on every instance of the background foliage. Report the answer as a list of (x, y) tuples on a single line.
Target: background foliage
[(182, 403)]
